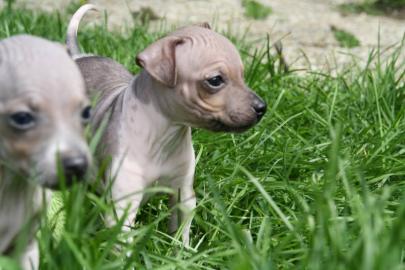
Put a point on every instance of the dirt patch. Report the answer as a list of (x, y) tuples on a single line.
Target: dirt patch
[(304, 26)]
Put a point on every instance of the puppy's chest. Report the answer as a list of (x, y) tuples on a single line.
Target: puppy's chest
[(162, 169), (17, 211), (156, 155), (160, 166)]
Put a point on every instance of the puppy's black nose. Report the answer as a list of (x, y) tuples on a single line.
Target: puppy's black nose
[(260, 108), (74, 167)]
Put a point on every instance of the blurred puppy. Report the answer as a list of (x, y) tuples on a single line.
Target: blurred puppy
[(43, 107), (191, 78)]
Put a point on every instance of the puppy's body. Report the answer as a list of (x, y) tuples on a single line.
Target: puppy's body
[(42, 97), (146, 145), (191, 78)]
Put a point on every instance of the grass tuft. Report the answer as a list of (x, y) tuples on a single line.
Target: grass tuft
[(344, 38), (393, 8), (256, 10)]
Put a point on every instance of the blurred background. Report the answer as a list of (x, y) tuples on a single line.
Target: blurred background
[(315, 34)]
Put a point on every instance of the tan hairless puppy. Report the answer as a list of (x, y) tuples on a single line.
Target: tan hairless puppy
[(43, 107), (191, 78)]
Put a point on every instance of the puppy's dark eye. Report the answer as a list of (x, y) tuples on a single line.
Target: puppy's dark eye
[(215, 82), (22, 120), (86, 114)]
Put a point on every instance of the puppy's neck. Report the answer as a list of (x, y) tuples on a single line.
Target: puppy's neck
[(146, 113), (155, 101), (154, 95)]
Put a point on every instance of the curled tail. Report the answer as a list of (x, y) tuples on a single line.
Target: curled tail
[(71, 37)]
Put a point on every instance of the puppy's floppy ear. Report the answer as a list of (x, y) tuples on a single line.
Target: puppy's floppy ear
[(204, 25), (159, 60)]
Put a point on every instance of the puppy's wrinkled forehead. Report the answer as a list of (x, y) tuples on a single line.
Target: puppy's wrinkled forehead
[(208, 46), (40, 67)]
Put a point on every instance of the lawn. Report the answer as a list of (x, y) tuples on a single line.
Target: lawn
[(318, 184)]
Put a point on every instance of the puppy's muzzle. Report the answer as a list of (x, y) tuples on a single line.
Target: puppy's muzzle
[(259, 106), (74, 167)]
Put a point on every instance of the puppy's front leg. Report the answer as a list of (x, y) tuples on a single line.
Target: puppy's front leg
[(174, 216), (186, 196), (30, 258), (127, 193)]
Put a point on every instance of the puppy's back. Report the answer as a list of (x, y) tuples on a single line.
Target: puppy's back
[(102, 75)]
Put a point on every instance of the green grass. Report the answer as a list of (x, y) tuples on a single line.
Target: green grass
[(318, 184), (256, 10), (344, 38), (394, 8)]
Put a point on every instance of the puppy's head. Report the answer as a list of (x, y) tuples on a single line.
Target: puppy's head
[(43, 108), (205, 72)]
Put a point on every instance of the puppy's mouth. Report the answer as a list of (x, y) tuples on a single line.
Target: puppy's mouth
[(62, 179), (52, 185), (219, 126), (58, 184)]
